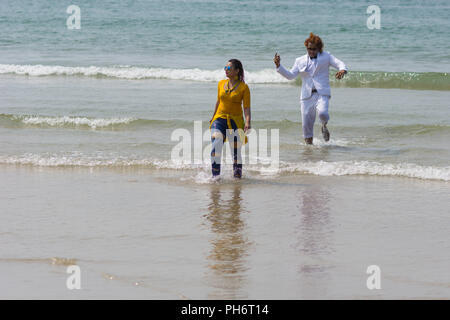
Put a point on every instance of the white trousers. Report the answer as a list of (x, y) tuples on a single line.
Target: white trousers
[(309, 107)]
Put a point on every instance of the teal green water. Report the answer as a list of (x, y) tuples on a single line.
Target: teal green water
[(202, 34)]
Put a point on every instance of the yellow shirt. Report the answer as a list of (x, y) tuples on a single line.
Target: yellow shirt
[(230, 104)]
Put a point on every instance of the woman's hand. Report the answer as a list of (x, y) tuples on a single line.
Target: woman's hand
[(247, 126)]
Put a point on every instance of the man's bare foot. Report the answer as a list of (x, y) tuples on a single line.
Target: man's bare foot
[(309, 140)]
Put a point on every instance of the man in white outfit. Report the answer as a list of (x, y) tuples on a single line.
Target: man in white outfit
[(315, 94)]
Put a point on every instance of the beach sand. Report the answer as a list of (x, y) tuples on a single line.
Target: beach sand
[(139, 233)]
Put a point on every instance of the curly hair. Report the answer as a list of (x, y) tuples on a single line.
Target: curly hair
[(314, 39)]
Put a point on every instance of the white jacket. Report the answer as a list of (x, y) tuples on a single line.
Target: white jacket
[(314, 73)]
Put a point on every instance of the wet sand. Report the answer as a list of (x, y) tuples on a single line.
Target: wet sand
[(151, 234)]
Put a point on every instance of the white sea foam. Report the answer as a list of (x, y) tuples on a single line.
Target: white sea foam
[(342, 142), (81, 160), (72, 121), (376, 79), (319, 168), (341, 168), (128, 72)]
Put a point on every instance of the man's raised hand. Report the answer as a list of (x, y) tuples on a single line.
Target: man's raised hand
[(277, 60)]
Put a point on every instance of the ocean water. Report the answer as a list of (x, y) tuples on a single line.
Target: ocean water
[(88, 123)]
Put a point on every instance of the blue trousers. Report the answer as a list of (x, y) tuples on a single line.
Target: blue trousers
[(218, 133)]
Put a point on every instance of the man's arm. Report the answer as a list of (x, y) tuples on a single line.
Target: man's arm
[(338, 64), (283, 71)]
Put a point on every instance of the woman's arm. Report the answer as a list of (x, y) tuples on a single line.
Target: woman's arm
[(215, 110), (248, 116), (218, 101), (246, 103)]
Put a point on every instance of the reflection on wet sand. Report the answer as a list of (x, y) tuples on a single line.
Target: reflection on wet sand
[(227, 264), (315, 241)]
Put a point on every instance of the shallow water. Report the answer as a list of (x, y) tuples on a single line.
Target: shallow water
[(134, 123)]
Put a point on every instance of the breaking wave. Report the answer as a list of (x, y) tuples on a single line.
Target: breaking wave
[(318, 168), (354, 79)]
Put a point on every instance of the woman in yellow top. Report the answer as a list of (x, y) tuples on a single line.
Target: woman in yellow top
[(227, 121)]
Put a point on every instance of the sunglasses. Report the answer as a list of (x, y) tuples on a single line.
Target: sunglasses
[(227, 68), (312, 49)]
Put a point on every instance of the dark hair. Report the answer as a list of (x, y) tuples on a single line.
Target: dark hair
[(238, 65)]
